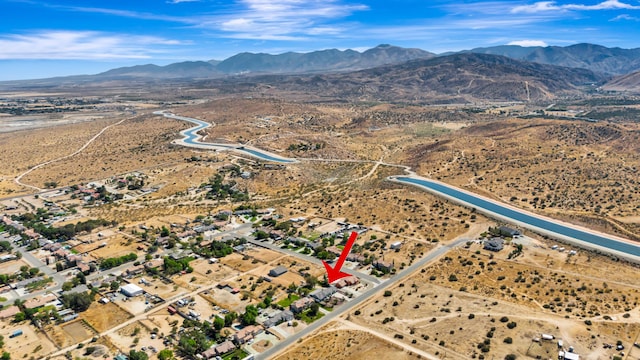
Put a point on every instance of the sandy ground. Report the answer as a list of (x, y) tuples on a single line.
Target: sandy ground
[(105, 316), (346, 345), (26, 344)]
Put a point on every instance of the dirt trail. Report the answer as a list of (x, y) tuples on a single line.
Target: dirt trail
[(19, 177)]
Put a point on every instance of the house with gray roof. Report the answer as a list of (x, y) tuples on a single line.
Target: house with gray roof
[(323, 294), (278, 318), (494, 244)]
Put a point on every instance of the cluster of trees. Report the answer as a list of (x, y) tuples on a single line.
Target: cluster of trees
[(138, 355), (79, 302), (199, 336), (515, 252), (132, 183), (175, 266), (5, 246), (249, 316), (306, 147), (218, 249), (117, 261), (25, 272), (50, 184), (80, 278), (222, 190), (62, 233)]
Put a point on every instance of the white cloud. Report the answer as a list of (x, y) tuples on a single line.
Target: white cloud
[(85, 45), (281, 19), (546, 6), (181, 1), (625, 17), (256, 19), (528, 43)]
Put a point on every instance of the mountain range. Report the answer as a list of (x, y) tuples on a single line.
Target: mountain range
[(457, 78), (600, 59), (610, 61), (317, 61), (390, 69)]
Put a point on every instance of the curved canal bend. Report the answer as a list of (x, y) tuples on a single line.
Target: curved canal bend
[(573, 234), (191, 138)]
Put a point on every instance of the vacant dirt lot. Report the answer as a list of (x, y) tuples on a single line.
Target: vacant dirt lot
[(105, 316), (474, 302), (346, 344), (30, 343)]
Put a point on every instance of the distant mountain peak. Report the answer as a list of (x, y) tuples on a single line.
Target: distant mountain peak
[(612, 61)]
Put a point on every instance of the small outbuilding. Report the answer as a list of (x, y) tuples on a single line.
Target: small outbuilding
[(277, 271), (510, 232), (131, 290)]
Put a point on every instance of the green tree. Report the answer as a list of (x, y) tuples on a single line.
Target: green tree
[(229, 317), (6, 356), (310, 281), (165, 354), (77, 301), (114, 285), (68, 285), (81, 277), (164, 232), (138, 355), (250, 315), (313, 309), (218, 323), (19, 317), (5, 246)]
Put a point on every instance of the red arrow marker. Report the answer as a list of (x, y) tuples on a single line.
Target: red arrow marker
[(334, 274)]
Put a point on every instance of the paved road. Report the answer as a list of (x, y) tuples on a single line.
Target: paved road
[(432, 255), (168, 301), (372, 279)]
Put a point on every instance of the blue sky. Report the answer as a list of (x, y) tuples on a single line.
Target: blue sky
[(64, 37)]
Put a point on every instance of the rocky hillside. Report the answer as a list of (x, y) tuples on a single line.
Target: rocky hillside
[(451, 79)]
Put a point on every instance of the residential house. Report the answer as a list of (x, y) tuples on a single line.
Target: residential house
[(72, 259), (278, 318), (154, 264), (35, 303), (334, 250), (135, 270), (24, 283), (31, 233), (61, 253), (247, 333), (355, 257), (323, 294), (301, 305), (186, 235), (346, 281), (277, 235), (84, 268), (210, 353), (11, 311), (383, 265), (314, 245), (225, 347), (494, 244)]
